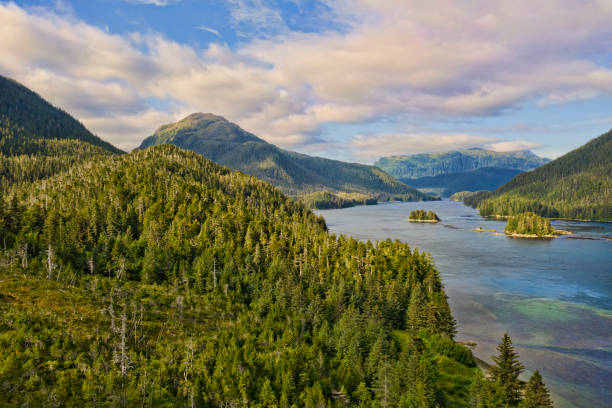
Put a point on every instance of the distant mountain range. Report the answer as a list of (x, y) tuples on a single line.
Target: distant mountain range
[(294, 173), (577, 185), (445, 185), (463, 170), (459, 161)]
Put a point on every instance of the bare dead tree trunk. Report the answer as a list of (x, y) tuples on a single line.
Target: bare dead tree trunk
[(50, 263), (124, 367), (111, 311), (214, 273)]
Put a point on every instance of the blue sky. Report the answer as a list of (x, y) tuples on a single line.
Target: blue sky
[(353, 80)]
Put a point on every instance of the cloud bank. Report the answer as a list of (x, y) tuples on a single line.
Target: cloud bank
[(393, 59)]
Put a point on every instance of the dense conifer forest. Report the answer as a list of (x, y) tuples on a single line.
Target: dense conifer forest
[(24, 109), (24, 159), (529, 223), (577, 185), (158, 278), (423, 215)]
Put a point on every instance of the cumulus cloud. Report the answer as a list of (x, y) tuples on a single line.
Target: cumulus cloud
[(513, 146), (439, 61)]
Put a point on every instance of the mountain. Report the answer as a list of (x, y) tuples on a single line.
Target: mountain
[(295, 174), (433, 164), (577, 185), (38, 140), (23, 109), (158, 278), (445, 185)]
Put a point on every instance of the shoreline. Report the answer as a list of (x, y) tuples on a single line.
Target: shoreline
[(414, 220), (505, 217), (557, 233)]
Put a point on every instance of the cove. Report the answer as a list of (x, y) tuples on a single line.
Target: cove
[(552, 296)]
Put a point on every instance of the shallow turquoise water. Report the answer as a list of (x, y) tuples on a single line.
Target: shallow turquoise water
[(553, 297)]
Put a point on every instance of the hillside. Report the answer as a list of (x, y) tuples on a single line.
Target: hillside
[(23, 109), (38, 140), (445, 185), (429, 165), (158, 278), (577, 185), (295, 174)]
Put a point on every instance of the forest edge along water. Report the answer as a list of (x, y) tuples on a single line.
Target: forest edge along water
[(552, 296)]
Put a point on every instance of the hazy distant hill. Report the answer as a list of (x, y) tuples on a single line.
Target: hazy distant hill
[(296, 174), (577, 185), (24, 109), (445, 185), (433, 164)]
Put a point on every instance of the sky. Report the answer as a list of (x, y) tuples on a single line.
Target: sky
[(352, 80)]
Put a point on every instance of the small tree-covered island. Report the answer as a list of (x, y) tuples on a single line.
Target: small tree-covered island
[(423, 216), (531, 225)]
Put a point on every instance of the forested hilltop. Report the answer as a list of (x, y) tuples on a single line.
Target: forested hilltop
[(577, 185), (179, 280), (295, 174)]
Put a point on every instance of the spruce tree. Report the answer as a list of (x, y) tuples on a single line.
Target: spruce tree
[(507, 369), (536, 393)]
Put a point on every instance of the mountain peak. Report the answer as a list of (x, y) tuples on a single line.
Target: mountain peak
[(197, 116), (199, 128)]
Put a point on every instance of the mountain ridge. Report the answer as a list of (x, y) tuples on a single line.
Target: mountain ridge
[(484, 178), (456, 161), (577, 185), (39, 119), (294, 173)]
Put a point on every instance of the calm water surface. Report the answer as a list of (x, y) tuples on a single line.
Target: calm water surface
[(553, 297)]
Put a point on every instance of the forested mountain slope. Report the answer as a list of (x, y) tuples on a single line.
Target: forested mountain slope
[(24, 159), (295, 174), (158, 278), (577, 185), (428, 165), (485, 178), (23, 109), (38, 140)]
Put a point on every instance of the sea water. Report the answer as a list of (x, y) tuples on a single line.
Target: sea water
[(552, 296)]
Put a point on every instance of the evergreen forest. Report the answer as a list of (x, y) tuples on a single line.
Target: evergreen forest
[(161, 279), (577, 185)]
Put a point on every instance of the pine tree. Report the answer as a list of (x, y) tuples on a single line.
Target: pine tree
[(507, 369), (536, 393)]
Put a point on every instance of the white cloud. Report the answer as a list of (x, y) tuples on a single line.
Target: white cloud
[(438, 61), (513, 146), (210, 30), (160, 3), (256, 17)]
